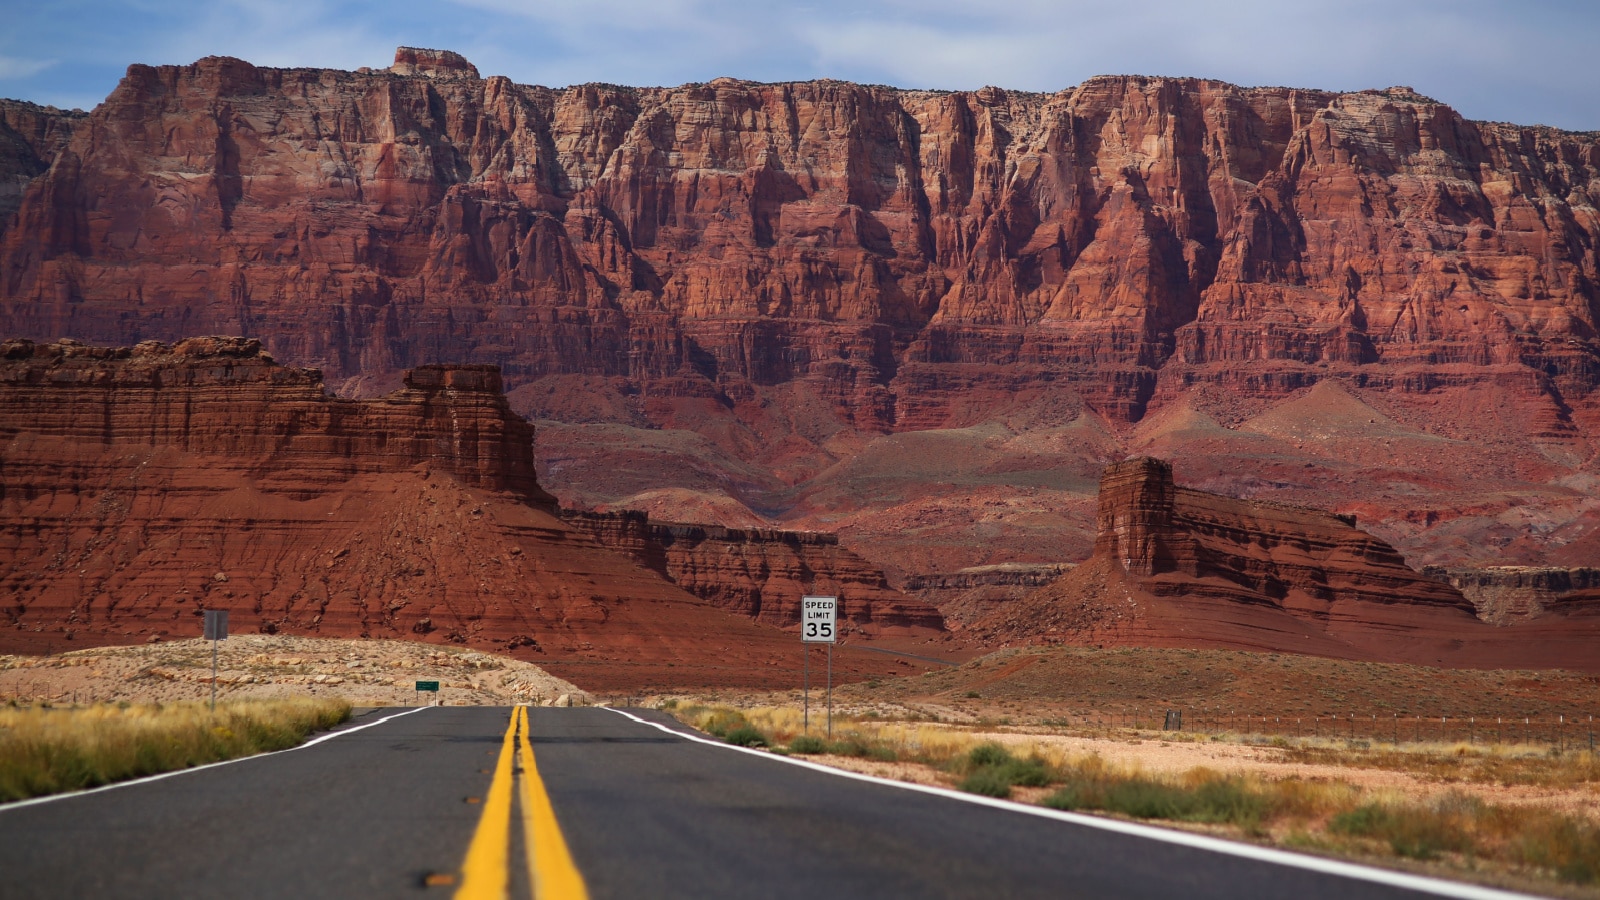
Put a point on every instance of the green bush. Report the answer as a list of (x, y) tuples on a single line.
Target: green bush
[(745, 735), (1417, 833), (1222, 800), (993, 771), (988, 781), (990, 754), (805, 743)]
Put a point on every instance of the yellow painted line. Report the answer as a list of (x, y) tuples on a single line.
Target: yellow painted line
[(550, 865), (484, 874)]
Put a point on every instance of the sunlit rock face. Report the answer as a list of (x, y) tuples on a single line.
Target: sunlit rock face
[(788, 272), (885, 247), (1178, 567)]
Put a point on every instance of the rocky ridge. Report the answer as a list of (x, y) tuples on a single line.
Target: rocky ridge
[(1505, 595), (791, 272), (978, 592), (1175, 566), (883, 247), (143, 485), (763, 573)]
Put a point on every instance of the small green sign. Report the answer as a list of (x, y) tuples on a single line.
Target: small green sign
[(427, 685)]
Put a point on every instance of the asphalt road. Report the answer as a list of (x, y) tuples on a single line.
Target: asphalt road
[(645, 813)]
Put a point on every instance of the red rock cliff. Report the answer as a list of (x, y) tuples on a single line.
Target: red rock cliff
[(139, 486), (1174, 566), (888, 249), (30, 137), (226, 397), (763, 573)]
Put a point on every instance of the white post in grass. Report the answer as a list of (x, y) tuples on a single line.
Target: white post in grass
[(817, 618)]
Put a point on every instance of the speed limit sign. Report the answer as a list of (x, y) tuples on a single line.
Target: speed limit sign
[(817, 618)]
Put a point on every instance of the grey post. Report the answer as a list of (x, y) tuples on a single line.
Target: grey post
[(216, 629)]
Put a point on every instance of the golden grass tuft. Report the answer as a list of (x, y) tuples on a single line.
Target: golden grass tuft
[(47, 751), (1328, 815)]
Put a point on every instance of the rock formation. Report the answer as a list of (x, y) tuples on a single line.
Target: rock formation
[(880, 246), (763, 573), (977, 593), (1506, 595), (31, 136), (1174, 566), (142, 485), (790, 270)]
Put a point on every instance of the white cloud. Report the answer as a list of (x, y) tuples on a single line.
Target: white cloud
[(1519, 60), (17, 67)]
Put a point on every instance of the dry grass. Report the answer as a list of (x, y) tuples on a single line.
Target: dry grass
[(47, 750), (1507, 765), (1465, 834)]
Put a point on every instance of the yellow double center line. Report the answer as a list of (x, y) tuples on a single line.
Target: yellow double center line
[(486, 873)]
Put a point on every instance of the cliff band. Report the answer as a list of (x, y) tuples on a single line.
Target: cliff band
[(1174, 566), (140, 486)]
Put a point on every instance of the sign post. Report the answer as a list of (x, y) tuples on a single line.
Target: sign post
[(429, 686), (216, 630), (817, 626)]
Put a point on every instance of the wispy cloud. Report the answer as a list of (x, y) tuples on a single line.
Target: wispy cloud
[(1520, 60), (17, 67)]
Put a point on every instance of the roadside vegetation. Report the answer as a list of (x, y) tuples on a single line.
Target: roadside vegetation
[(1456, 830), (45, 750)]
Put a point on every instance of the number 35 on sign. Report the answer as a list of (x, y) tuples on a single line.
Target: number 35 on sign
[(817, 618)]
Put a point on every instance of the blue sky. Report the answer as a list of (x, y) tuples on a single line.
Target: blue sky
[(1533, 61)]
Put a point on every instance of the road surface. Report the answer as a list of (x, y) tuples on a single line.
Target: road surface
[(437, 801)]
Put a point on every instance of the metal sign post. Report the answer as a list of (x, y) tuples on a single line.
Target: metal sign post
[(216, 630), (817, 618), (429, 686)]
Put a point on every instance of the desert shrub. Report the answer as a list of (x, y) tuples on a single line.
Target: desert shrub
[(1210, 799), (745, 735), (1568, 847), (1417, 832), (805, 743), (989, 781), (989, 754), (721, 722), (991, 770)]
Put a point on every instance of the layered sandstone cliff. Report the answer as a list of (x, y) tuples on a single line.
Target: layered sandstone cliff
[(30, 138), (787, 273), (980, 592), (139, 486), (763, 573), (882, 247), (1506, 595), (1174, 566)]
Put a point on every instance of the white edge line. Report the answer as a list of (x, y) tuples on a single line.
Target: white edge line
[(1423, 883), (35, 801)]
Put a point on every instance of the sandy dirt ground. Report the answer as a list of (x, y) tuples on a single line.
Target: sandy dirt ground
[(367, 673)]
